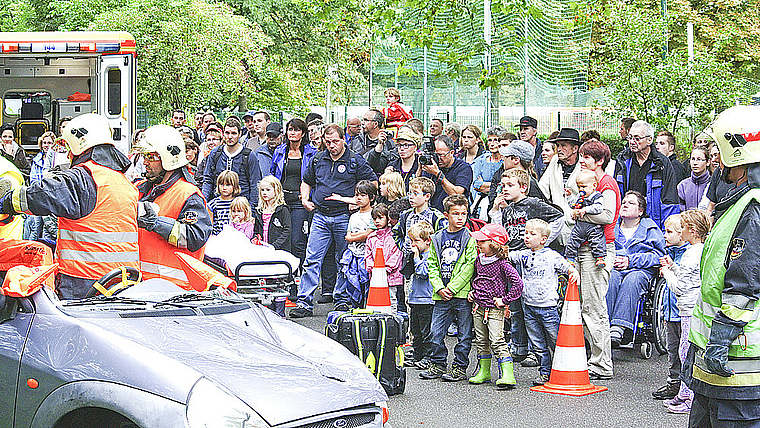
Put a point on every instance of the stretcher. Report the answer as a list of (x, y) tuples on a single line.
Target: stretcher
[(262, 273)]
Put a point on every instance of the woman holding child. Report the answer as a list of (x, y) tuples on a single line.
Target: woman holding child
[(594, 156)]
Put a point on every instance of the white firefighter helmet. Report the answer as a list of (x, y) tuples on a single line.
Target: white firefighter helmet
[(737, 132), (86, 131), (167, 142)]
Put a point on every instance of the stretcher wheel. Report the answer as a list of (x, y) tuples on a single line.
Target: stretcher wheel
[(645, 350)]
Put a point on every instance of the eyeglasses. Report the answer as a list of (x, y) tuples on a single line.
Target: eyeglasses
[(151, 157), (405, 146), (637, 138)]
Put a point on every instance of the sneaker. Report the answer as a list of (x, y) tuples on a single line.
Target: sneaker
[(452, 331), (410, 363), (434, 372), (300, 312), (667, 391), (342, 307), (531, 360), (455, 374), (423, 364), (541, 379), (325, 298), (518, 357), (680, 409), (597, 376), (616, 336)]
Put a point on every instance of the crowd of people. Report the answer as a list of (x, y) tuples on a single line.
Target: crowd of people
[(476, 226)]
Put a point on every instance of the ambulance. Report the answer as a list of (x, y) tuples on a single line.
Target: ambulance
[(47, 76)]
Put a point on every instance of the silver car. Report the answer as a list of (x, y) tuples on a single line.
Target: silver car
[(156, 356)]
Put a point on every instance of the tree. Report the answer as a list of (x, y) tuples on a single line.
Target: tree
[(660, 88), (196, 53)]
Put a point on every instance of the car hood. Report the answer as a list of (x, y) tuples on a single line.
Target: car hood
[(280, 369)]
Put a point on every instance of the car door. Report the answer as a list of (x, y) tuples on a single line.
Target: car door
[(14, 328)]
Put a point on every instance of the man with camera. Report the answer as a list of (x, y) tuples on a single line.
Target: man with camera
[(403, 160), (451, 175)]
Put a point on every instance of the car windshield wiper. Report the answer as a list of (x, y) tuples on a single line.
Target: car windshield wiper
[(99, 300), (190, 297)]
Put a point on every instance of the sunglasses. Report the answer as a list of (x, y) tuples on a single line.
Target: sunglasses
[(151, 156)]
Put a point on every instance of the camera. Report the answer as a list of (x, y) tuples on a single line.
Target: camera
[(428, 155)]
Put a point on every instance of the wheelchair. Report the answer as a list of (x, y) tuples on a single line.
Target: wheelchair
[(649, 327)]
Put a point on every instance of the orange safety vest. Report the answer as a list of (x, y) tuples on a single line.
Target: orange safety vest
[(157, 259), (105, 239)]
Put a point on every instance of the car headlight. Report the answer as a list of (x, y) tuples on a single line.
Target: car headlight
[(209, 406)]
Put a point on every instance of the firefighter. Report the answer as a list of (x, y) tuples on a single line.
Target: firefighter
[(181, 222), (95, 204), (723, 363)]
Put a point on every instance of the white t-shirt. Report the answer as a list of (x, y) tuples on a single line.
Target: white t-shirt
[(359, 222)]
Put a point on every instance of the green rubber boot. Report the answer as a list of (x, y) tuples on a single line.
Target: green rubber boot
[(484, 370), (506, 373)]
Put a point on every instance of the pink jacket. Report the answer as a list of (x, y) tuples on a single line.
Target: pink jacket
[(383, 238)]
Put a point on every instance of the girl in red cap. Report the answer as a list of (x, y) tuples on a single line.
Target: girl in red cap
[(494, 285)]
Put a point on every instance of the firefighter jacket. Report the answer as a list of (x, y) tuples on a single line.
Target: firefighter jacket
[(183, 225)]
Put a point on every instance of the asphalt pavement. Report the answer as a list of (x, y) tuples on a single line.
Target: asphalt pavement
[(437, 404)]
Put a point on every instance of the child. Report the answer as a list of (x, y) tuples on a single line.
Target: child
[(241, 219), (684, 279), (396, 114), (589, 202), (394, 212), (383, 238), (391, 188), (420, 296), (421, 189), (451, 263), (539, 267), (513, 208), (495, 284), (272, 215), (227, 186), (675, 246), (360, 225)]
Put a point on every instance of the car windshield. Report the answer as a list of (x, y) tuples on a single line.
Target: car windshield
[(148, 299)]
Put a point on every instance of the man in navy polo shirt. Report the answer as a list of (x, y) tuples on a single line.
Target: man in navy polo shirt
[(336, 170), (451, 175)]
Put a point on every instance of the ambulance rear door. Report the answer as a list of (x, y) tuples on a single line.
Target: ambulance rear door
[(116, 95)]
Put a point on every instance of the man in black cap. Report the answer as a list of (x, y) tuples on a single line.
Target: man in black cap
[(560, 174), (266, 151), (528, 130)]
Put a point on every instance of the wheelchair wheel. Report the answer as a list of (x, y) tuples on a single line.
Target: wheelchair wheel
[(659, 325), (645, 350)]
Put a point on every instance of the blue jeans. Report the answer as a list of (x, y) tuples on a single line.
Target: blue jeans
[(542, 325), (520, 344), (324, 230), (626, 288), (444, 312)]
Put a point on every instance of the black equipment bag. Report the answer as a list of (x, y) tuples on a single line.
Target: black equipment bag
[(375, 338)]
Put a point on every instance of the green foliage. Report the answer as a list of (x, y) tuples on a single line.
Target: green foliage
[(198, 53), (659, 90)]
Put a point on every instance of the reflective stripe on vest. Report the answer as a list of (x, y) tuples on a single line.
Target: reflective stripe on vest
[(157, 259), (160, 271), (106, 238), (745, 372)]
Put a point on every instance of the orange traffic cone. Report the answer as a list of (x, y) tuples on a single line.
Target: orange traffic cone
[(569, 374), (201, 276), (379, 298)]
